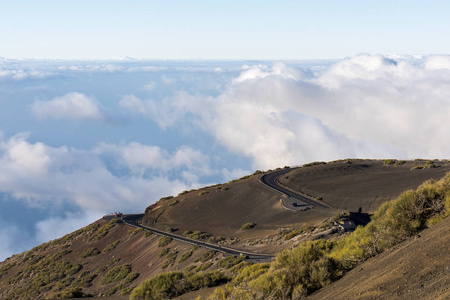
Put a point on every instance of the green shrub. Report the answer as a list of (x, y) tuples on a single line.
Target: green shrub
[(172, 284), (297, 272), (196, 235), (430, 164), (315, 163), (389, 161), (250, 271), (148, 233), (133, 232), (293, 233), (247, 226), (130, 277), (39, 278), (72, 292), (231, 261), (204, 267), (101, 269), (113, 261), (174, 202), (190, 268), (163, 252), (185, 256), (400, 162), (203, 193), (172, 256), (164, 241), (84, 281), (206, 256), (90, 252), (103, 230), (116, 274), (111, 246)]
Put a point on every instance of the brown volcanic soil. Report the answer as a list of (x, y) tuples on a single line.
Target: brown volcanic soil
[(366, 184), (416, 269), (223, 212), (135, 249)]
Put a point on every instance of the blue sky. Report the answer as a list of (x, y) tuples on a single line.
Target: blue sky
[(221, 29), (111, 105)]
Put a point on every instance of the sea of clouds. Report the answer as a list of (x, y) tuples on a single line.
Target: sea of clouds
[(79, 139)]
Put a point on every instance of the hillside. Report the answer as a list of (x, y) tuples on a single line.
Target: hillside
[(364, 184), (347, 185), (416, 269), (104, 258), (111, 258)]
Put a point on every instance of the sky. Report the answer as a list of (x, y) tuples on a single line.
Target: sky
[(250, 29), (110, 105)]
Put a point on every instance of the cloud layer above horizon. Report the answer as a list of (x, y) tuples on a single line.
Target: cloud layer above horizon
[(79, 139)]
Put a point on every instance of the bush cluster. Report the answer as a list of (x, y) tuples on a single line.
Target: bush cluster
[(315, 163), (90, 252), (231, 261), (116, 274), (206, 256), (174, 202), (203, 267), (133, 232), (196, 235), (247, 226), (111, 246), (290, 234), (103, 230), (185, 256), (164, 241), (41, 276), (173, 284)]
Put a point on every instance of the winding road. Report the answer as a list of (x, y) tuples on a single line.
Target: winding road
[(270, 180), (133, 220), (291, 200)]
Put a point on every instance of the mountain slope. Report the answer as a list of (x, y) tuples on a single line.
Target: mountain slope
[(111, 258), (416, 269)]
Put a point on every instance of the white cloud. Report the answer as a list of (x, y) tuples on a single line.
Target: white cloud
[(150, 86), (234, 174), (437, 62), (13, 240), (161, 113), (135, 177), (75, 106), (138, 158), (365, 106), (19, 74), (56, 227)]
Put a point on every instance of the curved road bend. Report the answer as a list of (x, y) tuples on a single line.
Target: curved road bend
[(133, 220), (271, 180)]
